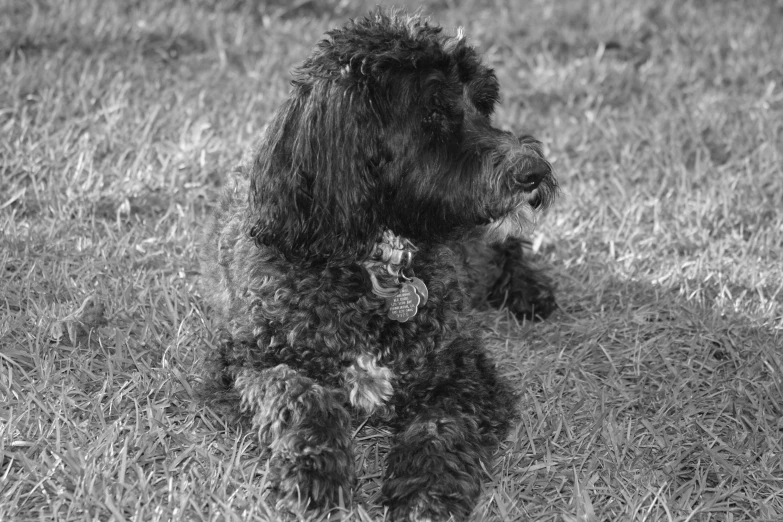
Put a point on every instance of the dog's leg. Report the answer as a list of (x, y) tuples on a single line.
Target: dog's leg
[(502, 276), (450, 420), (524, 289), (306, 431)]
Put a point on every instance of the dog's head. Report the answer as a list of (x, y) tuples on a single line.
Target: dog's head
[(388, 126)]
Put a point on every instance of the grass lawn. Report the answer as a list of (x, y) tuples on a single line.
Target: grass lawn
[(655, 393)]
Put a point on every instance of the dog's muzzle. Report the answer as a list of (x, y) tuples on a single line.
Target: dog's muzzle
[(526, 176), (528, 185), (529, 181)]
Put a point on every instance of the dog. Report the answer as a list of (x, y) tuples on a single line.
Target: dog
[(343, 263)]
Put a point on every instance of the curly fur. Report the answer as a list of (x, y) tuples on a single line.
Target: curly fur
[(387, 128)]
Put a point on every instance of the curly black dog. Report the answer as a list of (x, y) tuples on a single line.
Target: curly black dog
[(381, 207)]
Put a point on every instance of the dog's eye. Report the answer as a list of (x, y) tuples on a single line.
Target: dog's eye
[(485, 103), (485, 107), (484, 94)]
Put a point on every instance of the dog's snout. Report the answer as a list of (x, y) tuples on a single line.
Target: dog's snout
[(531, 180), (532, 173)]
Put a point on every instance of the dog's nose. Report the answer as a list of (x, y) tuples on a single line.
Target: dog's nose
[(531, 179)]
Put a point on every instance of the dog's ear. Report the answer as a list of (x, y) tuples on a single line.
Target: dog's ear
[(312, 186)]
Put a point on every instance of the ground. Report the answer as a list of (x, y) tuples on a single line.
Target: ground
[(655, 393)]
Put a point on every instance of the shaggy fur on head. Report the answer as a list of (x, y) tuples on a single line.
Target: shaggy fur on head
[(381, 169)]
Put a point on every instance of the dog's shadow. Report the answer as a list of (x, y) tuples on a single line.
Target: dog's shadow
[(631, 384)]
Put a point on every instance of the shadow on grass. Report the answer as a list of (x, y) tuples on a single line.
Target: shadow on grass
[(638, 402)]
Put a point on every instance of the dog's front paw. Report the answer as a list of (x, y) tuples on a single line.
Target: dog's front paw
[(419, 509), (425, 484), (429, 498), (529, 298), (306, 477), (524, 289)]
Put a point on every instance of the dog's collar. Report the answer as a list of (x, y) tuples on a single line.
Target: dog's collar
[(396, 252), (392, 258)]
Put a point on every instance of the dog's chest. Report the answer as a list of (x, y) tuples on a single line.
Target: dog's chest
[(369, 384), (330, 325)]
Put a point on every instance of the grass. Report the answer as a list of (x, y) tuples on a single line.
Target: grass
[(655, 393)]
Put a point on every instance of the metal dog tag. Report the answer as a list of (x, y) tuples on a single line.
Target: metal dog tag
[(421, 289), (404, 304)]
